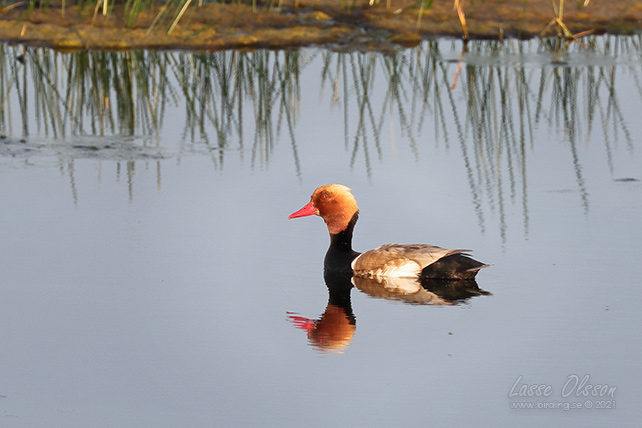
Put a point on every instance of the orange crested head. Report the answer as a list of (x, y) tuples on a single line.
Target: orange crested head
[(332, 202)]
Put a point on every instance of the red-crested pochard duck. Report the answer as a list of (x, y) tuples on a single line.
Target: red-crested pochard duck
[(338, 208)]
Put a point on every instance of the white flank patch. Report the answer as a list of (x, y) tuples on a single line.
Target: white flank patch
[(410, 269)]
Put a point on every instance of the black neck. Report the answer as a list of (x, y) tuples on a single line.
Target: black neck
[(342, 241), (340, 254)]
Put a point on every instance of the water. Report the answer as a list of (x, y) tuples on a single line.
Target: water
[(151, 277)]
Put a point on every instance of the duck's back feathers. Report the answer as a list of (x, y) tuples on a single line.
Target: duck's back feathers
[(415, 260)]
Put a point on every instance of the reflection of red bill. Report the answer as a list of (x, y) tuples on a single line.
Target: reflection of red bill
[(301, 322)]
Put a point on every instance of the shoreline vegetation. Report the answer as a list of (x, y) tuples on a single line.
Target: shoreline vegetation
[(350, 25)]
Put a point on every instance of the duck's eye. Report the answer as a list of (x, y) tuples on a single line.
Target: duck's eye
[(323, 196)]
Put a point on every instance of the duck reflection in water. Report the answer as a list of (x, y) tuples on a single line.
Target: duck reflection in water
[(415, 274), (334, 330)]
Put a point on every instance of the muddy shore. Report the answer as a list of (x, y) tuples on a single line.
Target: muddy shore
[(309, 22)]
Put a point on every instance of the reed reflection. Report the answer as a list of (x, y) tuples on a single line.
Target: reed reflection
[(334, 330), (243, 104), (131, 94), (509, 90)]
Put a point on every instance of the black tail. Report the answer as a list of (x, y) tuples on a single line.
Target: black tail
[(456, 266)]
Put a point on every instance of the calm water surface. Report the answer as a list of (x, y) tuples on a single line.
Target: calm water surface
[(151, 277)]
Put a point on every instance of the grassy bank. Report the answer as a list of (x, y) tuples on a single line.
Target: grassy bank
[(348, 24)]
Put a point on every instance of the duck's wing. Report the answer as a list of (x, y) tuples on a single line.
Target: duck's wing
[(397, 260)]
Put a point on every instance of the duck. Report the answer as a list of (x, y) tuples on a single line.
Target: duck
[(338, 208)]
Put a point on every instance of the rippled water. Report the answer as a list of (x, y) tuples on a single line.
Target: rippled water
[(151, 277)]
